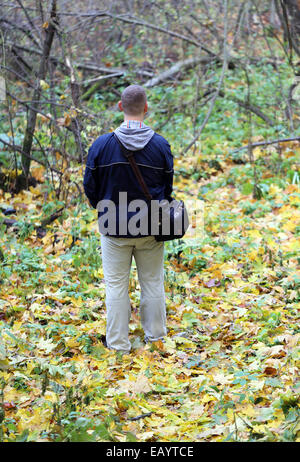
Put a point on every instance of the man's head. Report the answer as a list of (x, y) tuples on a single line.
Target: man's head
[(133, 101)]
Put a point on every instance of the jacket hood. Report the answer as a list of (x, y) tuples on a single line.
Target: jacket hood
[(134, 135)]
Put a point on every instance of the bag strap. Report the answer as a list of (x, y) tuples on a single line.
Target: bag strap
[(130, 156)]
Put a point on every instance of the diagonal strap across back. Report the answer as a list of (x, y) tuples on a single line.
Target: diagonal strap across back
[(130, 156)]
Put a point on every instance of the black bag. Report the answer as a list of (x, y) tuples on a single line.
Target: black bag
[(173, 217)]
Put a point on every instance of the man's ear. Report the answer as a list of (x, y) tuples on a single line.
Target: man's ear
[(120, 105), (146, 108)]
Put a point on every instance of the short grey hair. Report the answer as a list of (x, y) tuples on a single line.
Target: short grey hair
[(133, 100)]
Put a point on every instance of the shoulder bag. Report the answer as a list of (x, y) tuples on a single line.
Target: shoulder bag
[(173, 217)]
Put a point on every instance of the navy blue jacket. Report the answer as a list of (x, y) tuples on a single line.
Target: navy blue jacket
[(108, 172)]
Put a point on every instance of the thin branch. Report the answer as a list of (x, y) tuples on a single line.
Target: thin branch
[(250, 107), (19, 149), (219, 84), (2, 66), (22, 29), (163, 30), (139, 22), (29, 18), (76, 123)]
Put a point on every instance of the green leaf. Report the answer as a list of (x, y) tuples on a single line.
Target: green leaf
[(247, 189)]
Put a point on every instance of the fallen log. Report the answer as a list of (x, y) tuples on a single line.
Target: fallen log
[(180, 65), (95, 87)]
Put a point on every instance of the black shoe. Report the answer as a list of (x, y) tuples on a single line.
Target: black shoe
[(103, 340)]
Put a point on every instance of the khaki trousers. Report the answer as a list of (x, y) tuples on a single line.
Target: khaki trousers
[(117, 256)]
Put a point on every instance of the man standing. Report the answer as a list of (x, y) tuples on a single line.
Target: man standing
[(109, 174)]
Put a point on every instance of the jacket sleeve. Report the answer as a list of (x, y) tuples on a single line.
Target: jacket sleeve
[(168, 173), (89, 181)]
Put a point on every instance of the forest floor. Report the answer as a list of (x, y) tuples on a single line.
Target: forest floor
[(228, 370)]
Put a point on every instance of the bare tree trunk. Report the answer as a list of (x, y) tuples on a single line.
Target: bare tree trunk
[(289, 14), (293, 8), (32, 113)]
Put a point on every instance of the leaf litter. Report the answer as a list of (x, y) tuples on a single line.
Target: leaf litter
[(228, 370)]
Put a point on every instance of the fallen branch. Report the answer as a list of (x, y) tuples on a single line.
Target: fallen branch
[(95, 87), (51, 218), (40, 229), (109, 70), (101, 77), (85, 66), (250, 107), (265, 143), (187, 63)]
